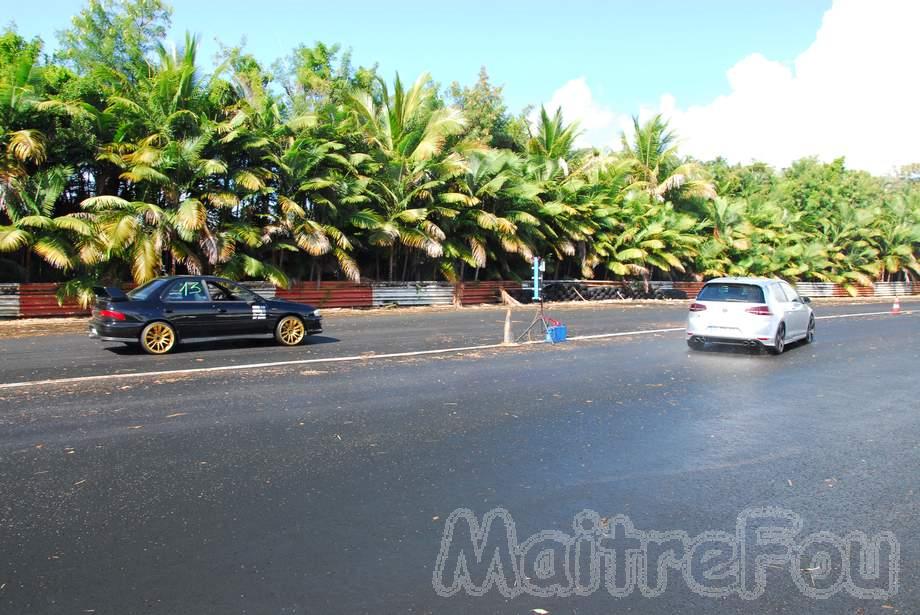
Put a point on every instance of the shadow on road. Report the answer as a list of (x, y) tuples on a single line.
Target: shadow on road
[(135, 349), (755, 351)]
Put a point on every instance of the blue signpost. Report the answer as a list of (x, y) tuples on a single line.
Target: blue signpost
[(537, 267)]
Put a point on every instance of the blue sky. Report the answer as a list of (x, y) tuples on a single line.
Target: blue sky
[(629, 52), (767, 80)]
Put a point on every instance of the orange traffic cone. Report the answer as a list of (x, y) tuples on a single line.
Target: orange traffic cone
[(896, 308)]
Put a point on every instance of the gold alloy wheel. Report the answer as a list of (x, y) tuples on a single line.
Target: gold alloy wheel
[(158, 338), (290, 331)]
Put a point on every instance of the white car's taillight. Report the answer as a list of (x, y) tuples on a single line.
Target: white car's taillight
[(759, 310)]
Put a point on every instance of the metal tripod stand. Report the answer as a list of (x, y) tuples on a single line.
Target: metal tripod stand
[(540, 318)]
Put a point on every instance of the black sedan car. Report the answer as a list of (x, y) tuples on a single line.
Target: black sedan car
[(179, 309)]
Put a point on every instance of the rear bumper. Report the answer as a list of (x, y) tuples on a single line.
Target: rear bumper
[(728, 341), (114, 331), (756, 331)]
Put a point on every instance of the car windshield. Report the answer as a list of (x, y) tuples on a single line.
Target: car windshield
[(144, 291), (741, 293)]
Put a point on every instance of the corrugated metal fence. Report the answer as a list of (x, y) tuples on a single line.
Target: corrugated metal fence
[(890, 289), (9, 300), (329, 294), (419, 293), (40, 300)]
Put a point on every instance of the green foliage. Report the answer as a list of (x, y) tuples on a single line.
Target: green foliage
[(122, 157)]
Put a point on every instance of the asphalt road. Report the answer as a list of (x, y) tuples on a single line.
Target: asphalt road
[(325, 488)]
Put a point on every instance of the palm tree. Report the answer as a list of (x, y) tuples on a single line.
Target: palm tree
[(406, 134), (168, 151), (61, 241), (319, 192), (655, 236), (492, 213), (656, 167), (898, 237), (19, 100)]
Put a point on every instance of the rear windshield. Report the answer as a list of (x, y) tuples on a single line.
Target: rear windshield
[(142, 293), (742, 293)]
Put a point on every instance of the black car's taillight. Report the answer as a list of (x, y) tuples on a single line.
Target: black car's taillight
[(113, 314)]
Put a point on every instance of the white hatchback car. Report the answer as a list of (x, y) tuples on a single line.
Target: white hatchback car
[(753, 312)]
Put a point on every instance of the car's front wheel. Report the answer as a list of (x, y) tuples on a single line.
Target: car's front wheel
[(290, 331), (695, 344), (779, 342), (158, 338)]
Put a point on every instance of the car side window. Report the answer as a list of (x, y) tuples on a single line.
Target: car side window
[(186, 290), (779, 294), (241, 293), (790, 292), (225, 291), (218, 292)]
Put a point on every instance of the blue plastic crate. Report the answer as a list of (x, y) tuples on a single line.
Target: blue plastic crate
[(556, 334)]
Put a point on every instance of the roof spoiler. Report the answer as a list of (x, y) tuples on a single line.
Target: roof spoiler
[(112, 293)]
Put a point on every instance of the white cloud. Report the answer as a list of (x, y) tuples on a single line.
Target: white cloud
[(854, 92)]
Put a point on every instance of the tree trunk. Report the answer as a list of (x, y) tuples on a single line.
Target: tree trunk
[(405, 266), (392, 257)]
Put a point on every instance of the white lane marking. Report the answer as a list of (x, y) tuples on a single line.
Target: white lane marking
[(365, 357), (600, 336), (227, 368), (905, 313)]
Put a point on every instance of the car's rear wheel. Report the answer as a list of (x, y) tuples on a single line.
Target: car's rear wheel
[(810, 334), (779, 342), (695, 344), (290, 331), (158, 338)]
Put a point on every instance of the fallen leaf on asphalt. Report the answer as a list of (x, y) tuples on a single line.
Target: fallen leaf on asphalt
[(79, 482), (789, 481), (136, 427), (540, 611), (435, 518), (175, 414)]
